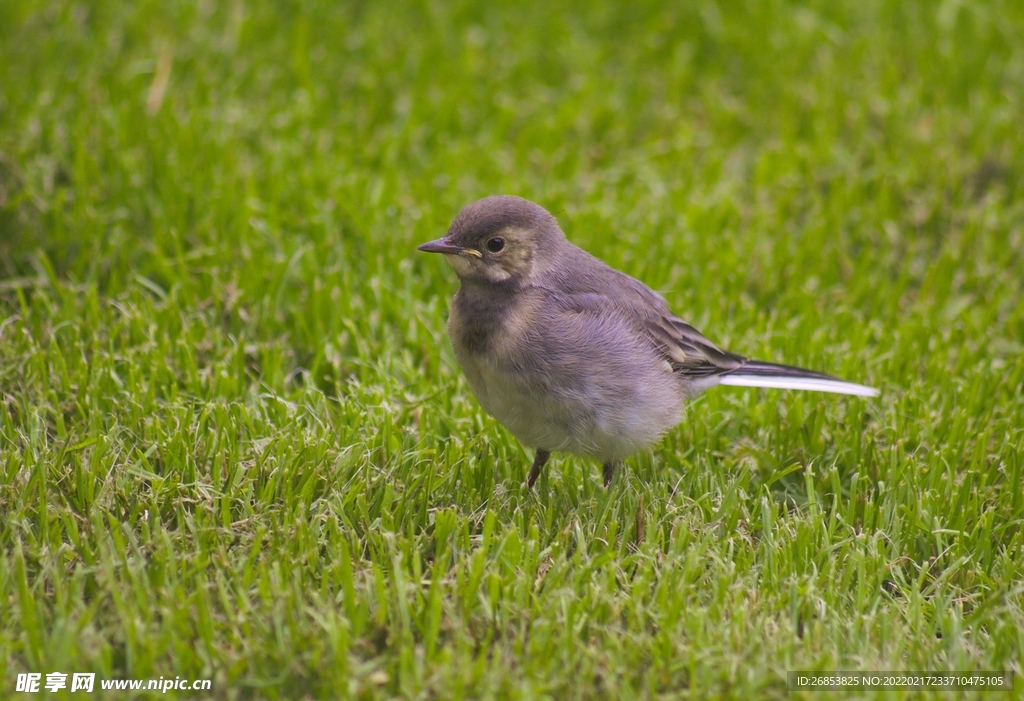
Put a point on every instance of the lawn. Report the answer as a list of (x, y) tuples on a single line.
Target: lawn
[(234, 441)]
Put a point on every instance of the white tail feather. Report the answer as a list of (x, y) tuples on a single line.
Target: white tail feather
[(806, 383)]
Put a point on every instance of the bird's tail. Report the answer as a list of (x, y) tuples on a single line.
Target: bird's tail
[(757, 373)]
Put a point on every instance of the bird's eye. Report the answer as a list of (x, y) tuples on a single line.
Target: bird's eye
[(496, 244)]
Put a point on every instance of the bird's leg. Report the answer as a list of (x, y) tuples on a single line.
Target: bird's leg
[(538, 462), (609, 472)]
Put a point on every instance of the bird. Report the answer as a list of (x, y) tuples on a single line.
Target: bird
[(571, 355)]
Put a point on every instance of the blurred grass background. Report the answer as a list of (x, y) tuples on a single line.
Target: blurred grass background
[(235, 444)]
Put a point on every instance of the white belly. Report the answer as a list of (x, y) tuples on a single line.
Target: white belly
[(595, 416)]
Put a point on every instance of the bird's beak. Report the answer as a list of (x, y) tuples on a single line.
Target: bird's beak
[(442, 246)]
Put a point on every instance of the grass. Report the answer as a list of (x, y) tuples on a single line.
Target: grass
[(235, 444)]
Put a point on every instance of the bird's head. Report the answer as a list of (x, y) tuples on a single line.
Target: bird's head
[(499, 240)]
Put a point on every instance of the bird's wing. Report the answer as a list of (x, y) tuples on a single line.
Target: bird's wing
[(687, 350), (690, 354), (589, 283), (583, 282)]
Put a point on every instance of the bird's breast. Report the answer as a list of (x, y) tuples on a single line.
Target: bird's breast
[(492, 338), (493, 324)]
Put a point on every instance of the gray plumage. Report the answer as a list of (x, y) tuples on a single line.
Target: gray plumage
[(572, 355)]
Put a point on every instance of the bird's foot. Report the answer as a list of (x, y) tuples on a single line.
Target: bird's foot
[(539, 459), (609, 472)]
